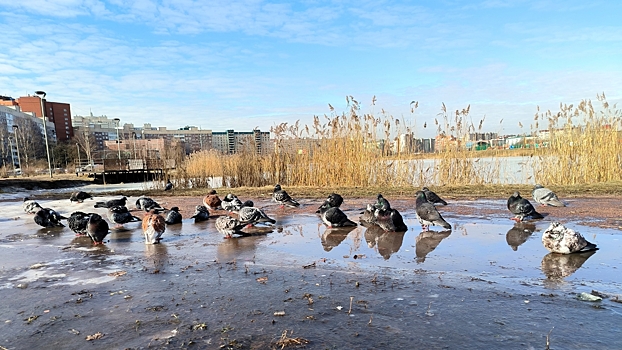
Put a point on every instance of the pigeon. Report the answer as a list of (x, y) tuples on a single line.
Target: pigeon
[(147, 204), (111, 203), (519, 234), (200, 213), (252, 216), (231, 203), (120, 215), (153, 227), (172, 216), (30, 206), (97, 228), (280, 196), (334, 200), (389, 220), (334, 217), (522, 209), (79, 196), (229, 226), (433, 197), (78, 222), (368, 217), (169, 185), (427, 213), (382, 203), (545, 197), (211, 200), (562, 240), (47, 217)]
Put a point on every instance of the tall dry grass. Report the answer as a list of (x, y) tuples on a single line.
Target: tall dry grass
[(348, 150), (584, 146)]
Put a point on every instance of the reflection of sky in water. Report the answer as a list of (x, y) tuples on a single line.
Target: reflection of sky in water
[(476, 248)]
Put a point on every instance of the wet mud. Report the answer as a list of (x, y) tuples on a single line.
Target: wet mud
[(488, 283)]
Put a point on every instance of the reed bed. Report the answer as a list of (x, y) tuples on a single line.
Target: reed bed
[(347, 150)]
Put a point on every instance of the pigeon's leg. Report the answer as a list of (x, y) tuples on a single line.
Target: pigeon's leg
[(515, 219)]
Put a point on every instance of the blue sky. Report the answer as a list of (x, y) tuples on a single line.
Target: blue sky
[(253, 63)]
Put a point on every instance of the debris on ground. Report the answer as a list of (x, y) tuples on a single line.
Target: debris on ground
[(95, 336), (588, 297), (117, 273), (286, 341)]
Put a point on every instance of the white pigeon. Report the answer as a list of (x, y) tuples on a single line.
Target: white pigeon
[(563, 240)]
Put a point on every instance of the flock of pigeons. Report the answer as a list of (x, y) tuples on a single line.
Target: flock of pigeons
[(557, 238)]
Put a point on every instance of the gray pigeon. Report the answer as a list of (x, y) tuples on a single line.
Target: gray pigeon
[(47, 217), (30, 206), (544, 196), (168, 186), (120, 215), (368, 217), (433, 197), (231, 203), (252, 216), (334, 217), (522, 209), (200, 213), (562, 240), (172, 216), (427, 213), (229, 226), (147, 204), (97, 229), (280, 196)]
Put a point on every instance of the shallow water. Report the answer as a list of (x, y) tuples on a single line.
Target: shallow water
[(433, 281)]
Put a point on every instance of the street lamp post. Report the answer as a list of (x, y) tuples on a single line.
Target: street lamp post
[(42, 95), (19, 158), (117, 120), (79, 161), (12, 155), (134, 143)]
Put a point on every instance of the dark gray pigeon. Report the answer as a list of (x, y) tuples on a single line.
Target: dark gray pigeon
[(334, 217), (120, 215), (382, 203), (544, 196), (172, 216), (78, 222), (47, 217), (522, 209), (334, 200), (169, 186), (111, 203), (280, 196), (200, 213), (433, 197), (389, 220), (79, 196), (97, 229), (427, 213)]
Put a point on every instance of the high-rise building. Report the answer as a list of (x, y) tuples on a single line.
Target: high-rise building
[(58, 113)]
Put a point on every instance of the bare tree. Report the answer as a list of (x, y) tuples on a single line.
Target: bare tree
[(86, 143), (30, 137)]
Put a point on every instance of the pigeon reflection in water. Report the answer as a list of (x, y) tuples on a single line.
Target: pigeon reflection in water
[(387, 243), (519, 234), (427, 241), (557, 266), (332, 237)]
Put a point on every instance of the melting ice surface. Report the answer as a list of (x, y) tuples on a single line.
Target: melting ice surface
[(491, 249)]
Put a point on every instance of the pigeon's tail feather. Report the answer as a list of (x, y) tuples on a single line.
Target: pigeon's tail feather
[(588, 247), (100, 205), (555, 202), (444, 224), (442, 202), (536, 215), (349, 222)]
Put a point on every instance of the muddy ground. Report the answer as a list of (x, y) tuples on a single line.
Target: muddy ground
[(487, 284)]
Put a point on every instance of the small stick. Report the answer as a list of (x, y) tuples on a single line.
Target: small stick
[(548, 342), (350, 310)]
